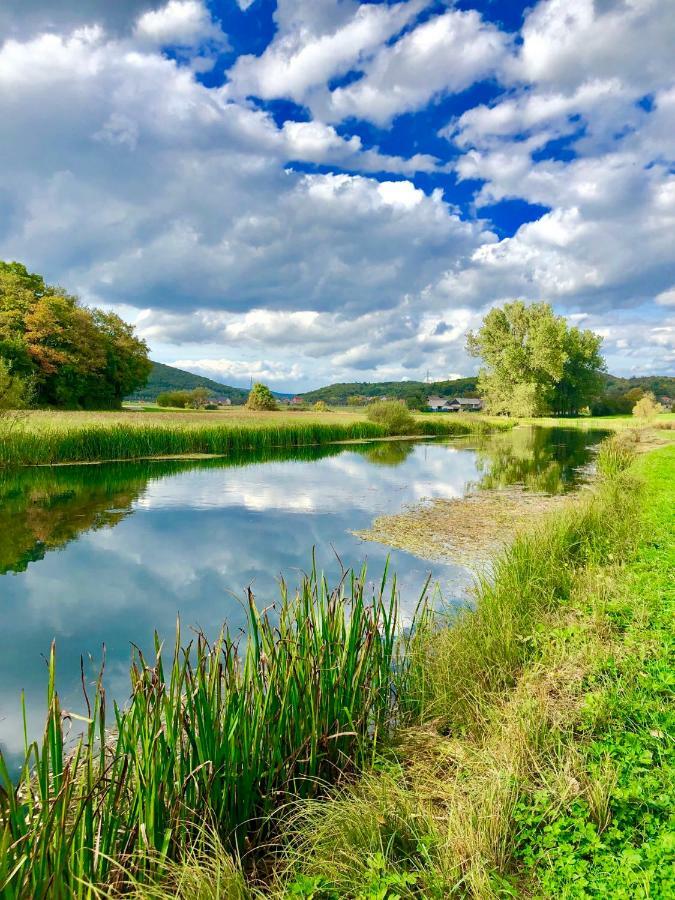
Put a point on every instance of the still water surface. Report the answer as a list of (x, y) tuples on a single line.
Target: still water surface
[(105, 554)]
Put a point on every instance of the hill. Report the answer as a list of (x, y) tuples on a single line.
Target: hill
[(167, 378), (660, 385), (418, 391), (338, 394)]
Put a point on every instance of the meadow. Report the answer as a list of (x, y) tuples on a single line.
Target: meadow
[(48, 437), (516, 747)]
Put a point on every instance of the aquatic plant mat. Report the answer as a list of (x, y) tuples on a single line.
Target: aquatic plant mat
[(467, 529)]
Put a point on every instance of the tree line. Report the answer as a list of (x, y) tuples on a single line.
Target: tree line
[(58, 352)]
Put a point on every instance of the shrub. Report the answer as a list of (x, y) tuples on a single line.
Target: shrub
[(177, 399), (394, 415), (261, 397), (647, 408), (199, 397), (321, 406)]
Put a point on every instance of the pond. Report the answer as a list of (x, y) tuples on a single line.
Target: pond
[(105, 554)]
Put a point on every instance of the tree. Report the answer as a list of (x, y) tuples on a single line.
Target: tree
[(15, 396), (321, 406), (612, 403), (199, 397), (647, 408), (581, 379), (534, 362), (261, 397), (74, 356), (417, 400), (126, 357)]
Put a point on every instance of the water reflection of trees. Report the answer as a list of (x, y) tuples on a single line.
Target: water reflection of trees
[(546, 460), (44, 508), (388, 453)]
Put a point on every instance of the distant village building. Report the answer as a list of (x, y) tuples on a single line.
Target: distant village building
[(437, 404), (455, 404), (296, 401)]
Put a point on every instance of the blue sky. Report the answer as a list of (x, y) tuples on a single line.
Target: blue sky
[(307, 191)]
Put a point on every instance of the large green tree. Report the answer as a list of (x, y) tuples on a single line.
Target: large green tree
[(534, 363), (74, 356)]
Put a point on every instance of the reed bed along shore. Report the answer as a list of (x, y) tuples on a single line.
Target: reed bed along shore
[(48, 444), (219, 734)]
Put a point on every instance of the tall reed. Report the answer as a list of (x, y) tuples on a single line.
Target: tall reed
[(84, 443), (222, 732)]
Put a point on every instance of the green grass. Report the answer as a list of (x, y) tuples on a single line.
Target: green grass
[(56, 438), (614, 423), (618, 839)]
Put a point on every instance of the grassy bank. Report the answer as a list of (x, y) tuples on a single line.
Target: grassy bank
[(523, 743), (537, 759), (611, 423), (48, 438)]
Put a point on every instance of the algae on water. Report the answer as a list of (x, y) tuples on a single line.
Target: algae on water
[(465, 529)]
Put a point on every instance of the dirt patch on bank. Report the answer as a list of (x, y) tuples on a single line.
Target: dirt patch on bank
[(468, 529)]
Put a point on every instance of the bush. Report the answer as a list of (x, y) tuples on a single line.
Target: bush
[(647, 408), (199, 397), (261, 397), (211, 406), (176, 399), (393, 415), (321, 406)]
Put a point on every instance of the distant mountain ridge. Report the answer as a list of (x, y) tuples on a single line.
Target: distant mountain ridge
[(168, 378)]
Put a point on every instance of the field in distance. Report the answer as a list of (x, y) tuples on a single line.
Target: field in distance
[(149, 415), (237, 416)]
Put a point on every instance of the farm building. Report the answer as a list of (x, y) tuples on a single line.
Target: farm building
[(455, 404)]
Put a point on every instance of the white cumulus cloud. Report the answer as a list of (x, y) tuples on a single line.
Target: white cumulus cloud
[(184, 23)]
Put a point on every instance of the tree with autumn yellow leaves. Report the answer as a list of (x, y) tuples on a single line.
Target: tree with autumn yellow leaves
[(73, 356)]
